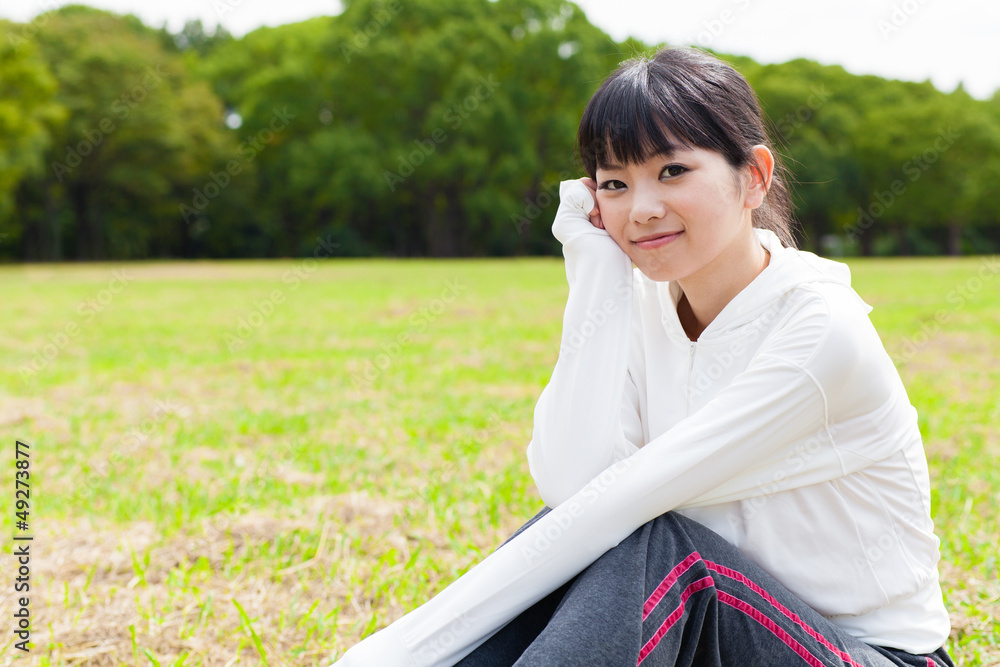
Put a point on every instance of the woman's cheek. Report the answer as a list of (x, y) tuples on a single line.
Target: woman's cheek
[(612, 217)]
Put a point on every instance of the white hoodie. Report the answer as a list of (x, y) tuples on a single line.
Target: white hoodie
[(785, 428)]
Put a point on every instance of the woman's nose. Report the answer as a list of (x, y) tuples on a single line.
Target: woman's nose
[(647, 205)]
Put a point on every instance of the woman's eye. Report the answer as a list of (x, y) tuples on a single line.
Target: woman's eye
[(670, 170)]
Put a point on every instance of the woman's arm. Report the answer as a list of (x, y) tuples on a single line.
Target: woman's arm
[(577, 430), (772, 428)]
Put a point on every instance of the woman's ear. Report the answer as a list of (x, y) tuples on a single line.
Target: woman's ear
[(761, 170)]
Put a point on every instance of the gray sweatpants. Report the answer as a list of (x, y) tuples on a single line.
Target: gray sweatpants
[(676, 593)]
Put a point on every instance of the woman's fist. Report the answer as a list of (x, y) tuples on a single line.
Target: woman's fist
[(595, 214), (578, 214)]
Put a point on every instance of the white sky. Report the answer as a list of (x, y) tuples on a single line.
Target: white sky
[(946, 41)]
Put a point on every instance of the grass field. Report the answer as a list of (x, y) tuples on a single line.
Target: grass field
[(262, 462)]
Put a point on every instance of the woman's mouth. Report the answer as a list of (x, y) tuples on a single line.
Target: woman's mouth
[(658, 241)]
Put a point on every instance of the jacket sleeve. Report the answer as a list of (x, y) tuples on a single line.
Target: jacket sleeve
[(577, 430), (631, 421), (773, 423)]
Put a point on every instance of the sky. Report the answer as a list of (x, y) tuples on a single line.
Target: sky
[(946, 41)]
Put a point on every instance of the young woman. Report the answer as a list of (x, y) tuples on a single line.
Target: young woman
[(731, 469)]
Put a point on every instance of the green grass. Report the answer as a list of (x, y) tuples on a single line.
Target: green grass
[(205, 490)]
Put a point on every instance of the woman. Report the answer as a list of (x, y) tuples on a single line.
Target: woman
[(731, 468)]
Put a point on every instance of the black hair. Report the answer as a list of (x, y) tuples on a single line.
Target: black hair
[(685, 95)]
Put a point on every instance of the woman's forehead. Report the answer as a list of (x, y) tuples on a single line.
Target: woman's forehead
[(630, 145), (608, 162)]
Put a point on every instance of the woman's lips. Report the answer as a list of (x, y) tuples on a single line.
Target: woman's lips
[(659, 241)]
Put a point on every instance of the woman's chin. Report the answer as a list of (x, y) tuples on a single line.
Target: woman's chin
[(658, 274)]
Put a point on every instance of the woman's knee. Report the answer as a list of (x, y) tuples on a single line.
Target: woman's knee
[(674, 534)]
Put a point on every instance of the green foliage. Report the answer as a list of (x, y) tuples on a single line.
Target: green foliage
[(424, 127), (29, 115), (139, 133)]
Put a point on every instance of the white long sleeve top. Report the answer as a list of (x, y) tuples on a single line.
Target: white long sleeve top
[(785, 428)]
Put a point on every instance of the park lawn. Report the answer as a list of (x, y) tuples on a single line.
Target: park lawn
[(265, 461)]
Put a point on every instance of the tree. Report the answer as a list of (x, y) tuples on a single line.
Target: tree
[(425, 127), (137, 133), (29, 116), (813, 121)]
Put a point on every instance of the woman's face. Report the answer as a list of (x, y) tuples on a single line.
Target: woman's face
[(690, 200)]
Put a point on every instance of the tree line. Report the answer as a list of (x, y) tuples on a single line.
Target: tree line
[(421, 128)]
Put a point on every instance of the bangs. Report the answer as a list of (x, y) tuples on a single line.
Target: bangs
[(634, 116)]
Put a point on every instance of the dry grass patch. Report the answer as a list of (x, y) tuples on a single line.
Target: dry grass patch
[(95, 585)]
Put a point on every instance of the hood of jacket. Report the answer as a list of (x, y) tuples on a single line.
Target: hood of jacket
[(787, 269)]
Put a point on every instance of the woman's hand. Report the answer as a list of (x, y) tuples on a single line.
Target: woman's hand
[(578, 215), (595, 215)]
